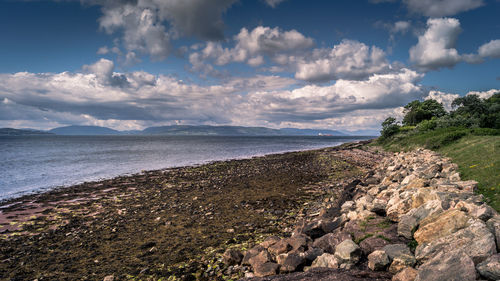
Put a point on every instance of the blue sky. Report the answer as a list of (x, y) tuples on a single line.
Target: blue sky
[(343, 64)]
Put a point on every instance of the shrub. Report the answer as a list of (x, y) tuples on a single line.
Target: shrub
[(389, 127), (427, 125)]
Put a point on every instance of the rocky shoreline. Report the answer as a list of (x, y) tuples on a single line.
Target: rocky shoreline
[(173, 223), (410, 218), (351, 212)]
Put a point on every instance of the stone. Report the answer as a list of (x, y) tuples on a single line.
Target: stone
[(378, 206), (409, 221), (452, 266), (291, 262), (260, 258), (298, 242), (476, 241), (232, 257), (400, 256), (348, 206), (372, 244), (347, 252), (490, 268), (483, 212), (439, 225), (325, 260), (312, 253), (318, 227), (329, 241), (422, 196), (109, 278), (494, 226), (251, 253), (279, 247), (269, 241), (417, 183), (378, 260), (266, 269), (407, 274)]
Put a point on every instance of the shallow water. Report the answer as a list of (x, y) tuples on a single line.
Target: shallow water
[(35, 163)]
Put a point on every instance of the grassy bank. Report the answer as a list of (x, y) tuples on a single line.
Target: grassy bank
[(476, 151)]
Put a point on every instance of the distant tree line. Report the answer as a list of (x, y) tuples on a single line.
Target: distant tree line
[(468, 112)]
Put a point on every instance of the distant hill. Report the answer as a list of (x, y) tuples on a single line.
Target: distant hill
[(84, 131), (310, 132), (211, 131), (21, 132), (193, 130)]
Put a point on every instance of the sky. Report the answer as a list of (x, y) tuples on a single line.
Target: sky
[(343, 65)]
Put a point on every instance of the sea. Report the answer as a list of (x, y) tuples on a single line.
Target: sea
[(31, 164)]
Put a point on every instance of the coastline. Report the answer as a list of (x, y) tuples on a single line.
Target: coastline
[(168, 222)]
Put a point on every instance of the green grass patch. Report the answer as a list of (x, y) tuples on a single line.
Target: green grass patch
[(360, 239), (385, 238), (475, 151)]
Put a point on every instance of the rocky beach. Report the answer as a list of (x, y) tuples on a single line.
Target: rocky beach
[(352, 212)]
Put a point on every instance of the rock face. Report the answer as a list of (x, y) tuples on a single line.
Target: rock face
[(453, 266)]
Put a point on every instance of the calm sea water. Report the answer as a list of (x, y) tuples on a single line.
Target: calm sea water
[(35, 163)]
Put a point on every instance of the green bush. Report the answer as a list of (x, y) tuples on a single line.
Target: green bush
[(407, 128), (427, 125), (485, 132)]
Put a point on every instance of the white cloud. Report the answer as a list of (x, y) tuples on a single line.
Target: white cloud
[(441, 8), (103, 50), (250, 47), (143, 22), (484, 94), (490, 49), (92, 97), (436, 47), (444, 98), (401, 27), (347, 60)]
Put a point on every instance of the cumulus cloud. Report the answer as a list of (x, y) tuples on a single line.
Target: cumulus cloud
[(347, 60), (436, 47), (441, 8), (484, 94), (490, 49), (250, 47), (446, 99), (143, 22), (91, 97)]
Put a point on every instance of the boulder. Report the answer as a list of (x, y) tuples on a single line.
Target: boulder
[(280, 247), (232, 257), (325, 260), (476, 241), (291, 262), (348, 206), (251, 253), (439, 225), (108, 278), (494, 226), (312, 253), (269, 241), (260, 258), (452, 266), (266, 269), (329, 241), (409, 221), (378, 260), (298, 242), (422, 196), (400, 257), (490, 268), (372, 244), (407, 274), (347, 252), (378, 206)]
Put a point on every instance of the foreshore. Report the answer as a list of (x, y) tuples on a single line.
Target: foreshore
[(173, 222)]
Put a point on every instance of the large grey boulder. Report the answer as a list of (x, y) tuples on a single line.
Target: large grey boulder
[(347, 253), (490, 268), (476, 241), (325, 260), (450, 266)]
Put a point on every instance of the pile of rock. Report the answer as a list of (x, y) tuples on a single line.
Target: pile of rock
[(412, 217)]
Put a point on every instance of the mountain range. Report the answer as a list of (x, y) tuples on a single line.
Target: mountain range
[(179, 130)]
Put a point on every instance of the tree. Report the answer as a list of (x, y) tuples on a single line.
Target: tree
[(389, 127), (416, 111)]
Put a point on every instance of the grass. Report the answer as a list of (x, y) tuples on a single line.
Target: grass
[(476, 152)]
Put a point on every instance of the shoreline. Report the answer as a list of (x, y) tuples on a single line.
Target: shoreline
[(172, 222), (5, 199)]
